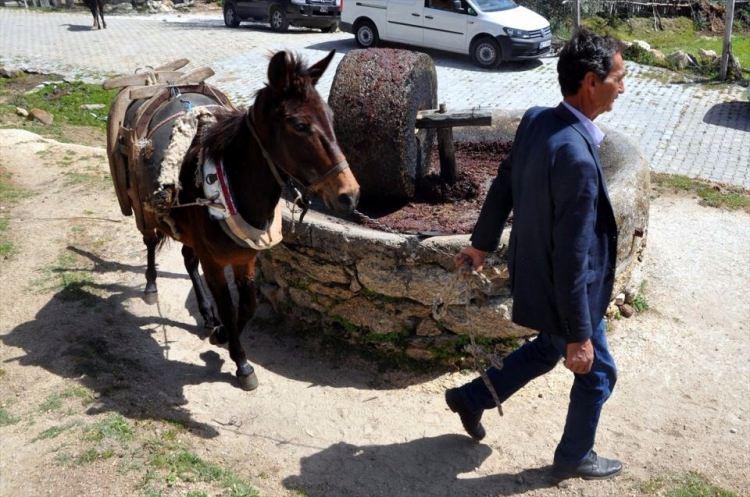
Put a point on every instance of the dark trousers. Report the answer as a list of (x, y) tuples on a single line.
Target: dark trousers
[(587, 396)]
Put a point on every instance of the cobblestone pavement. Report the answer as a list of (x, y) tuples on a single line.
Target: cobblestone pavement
[(691, 129)]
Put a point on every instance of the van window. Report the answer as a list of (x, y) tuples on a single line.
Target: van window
[(439, 4), (446, 5), (495, 5)]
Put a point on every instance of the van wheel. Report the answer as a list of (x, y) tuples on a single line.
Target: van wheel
[(486, 53), (366, 34), (231, 19), (278, 20)]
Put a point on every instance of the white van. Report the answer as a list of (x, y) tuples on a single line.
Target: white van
[(491, 31)]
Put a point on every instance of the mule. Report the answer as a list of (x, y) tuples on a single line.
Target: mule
[(97, 10), (287, 135)]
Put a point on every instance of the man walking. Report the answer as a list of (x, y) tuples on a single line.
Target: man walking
[(561, 255)]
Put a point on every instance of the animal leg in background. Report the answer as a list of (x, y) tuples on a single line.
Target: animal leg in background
[(210, 322), (100, 8), (214, 274), (152, 241)]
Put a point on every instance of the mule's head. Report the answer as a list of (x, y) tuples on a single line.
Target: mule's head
[(297, 130)]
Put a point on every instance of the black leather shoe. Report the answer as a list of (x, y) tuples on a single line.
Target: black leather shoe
[(470, 419), (591, 468)]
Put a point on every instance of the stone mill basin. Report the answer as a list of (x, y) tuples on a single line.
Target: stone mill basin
[(399, 293)]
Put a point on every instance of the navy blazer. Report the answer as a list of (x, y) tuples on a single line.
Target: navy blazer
[(563, 242)]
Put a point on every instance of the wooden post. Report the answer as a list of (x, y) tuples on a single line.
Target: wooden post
[(447, 152), (577, 7), (727, 50)]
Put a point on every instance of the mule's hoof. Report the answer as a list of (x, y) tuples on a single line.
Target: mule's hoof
[(151, 298), (248, 382)]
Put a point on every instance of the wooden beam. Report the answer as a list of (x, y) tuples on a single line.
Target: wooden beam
[(175, 65), (726, 52), (141, 79), (428, 119), (446, 151)]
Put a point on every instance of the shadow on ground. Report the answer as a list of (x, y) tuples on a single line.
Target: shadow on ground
[(86, 333), (735, 115), (435, 466), (78, 27), (315, 357), (441, 58)]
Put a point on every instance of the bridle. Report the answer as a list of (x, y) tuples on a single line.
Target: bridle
[(299, 190)]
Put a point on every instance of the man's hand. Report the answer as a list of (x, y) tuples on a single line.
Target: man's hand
[(579, 357), (469, 256)]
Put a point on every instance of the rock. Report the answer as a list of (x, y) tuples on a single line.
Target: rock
[(641, 45), (680, 59), (303, 298), (375, 96), (423, 284), (428, 328), (612, 311), (733, 430), (361, 312), (419, 354), (22, 112), (620, 299), (626, 310), (326, 273), (493, 318), (658, 55), (9, 73), (92, 106), (354, 286), (42, 116), (708, 55), (334, 292)]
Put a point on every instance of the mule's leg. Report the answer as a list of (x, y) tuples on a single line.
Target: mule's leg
[(151, 240), (210, 322), (244, 277), (218, 284), (100, 3)]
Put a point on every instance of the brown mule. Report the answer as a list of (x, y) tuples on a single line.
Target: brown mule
[(287, 135)]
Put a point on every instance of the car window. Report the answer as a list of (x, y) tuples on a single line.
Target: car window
[(495, 5)]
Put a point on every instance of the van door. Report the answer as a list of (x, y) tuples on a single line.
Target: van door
[(445, 27), (404, 21)]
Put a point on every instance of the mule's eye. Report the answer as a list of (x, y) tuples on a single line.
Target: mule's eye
[(301, 127)]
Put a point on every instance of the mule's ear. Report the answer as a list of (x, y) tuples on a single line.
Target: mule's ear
[(278, 72), (317, 70)]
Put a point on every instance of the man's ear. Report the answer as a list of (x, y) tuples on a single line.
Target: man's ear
[(317, 70)]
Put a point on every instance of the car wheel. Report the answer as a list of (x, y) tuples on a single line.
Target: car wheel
[(278, 20), (366, 34), (231, 19), (331, 28), (486, 53)]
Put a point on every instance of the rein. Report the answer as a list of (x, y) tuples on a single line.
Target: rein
[(299, 190)]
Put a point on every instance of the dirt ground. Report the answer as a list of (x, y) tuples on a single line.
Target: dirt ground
[(78, 345)]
